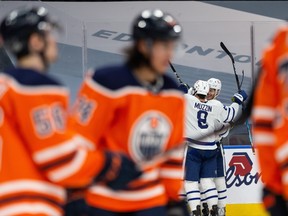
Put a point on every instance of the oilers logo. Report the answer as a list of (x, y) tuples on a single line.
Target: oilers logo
[(149, 135)]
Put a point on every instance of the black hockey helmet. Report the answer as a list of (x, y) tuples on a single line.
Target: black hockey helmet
[(156, 25), (19, 24)]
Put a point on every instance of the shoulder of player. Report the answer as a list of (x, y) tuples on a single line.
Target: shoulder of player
[(117, 76), (29, 82), (31, 78), (215, 102), (169, 82), (191, 98)]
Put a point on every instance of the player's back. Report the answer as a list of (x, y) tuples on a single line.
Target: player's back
[(23, 189), (118, 94), (139, 121), (201, 122), (204, 119)]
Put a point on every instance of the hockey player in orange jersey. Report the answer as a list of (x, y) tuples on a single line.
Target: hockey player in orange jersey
[(39, 152), (270, 124), (141, 114)]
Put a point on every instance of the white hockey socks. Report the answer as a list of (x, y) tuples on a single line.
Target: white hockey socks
[(222, 191), (209, 191), (192, 194)]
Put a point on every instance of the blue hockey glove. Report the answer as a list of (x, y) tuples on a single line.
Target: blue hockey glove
[(184, 87), (118, 171), (239, 97)]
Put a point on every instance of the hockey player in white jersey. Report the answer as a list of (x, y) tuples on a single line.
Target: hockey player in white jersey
[(203, 118), (220, 181)]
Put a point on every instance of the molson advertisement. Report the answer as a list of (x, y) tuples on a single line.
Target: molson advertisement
[(243, 179)]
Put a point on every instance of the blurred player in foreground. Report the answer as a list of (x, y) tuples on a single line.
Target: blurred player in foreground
[(201, 158), (39, 153), (270, 123), (141, 113)]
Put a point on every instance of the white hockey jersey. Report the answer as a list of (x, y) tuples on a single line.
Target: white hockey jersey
[(204, 119)]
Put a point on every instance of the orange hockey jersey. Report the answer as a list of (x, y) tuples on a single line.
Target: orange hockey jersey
[(270, 117), (38, 152), (117, 112)]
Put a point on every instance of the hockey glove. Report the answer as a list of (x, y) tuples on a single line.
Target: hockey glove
[(239, 97), (118, 171), (275, 204), (184, 87)]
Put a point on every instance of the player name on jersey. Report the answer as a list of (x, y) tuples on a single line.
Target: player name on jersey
[(203, 107)]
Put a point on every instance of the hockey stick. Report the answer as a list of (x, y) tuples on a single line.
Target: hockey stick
[(233, 64), (178, 77), (176, 74), (239, 89)]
